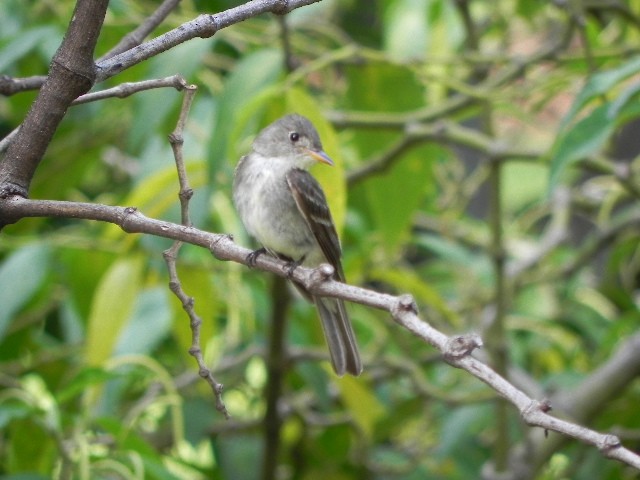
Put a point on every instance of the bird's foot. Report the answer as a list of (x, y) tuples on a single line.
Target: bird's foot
[(253, 256), (291, 266)]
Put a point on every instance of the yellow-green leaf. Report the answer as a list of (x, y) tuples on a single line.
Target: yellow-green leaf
[(111, 307)]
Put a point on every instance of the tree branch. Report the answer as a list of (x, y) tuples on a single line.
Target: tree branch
[(71, 74), (136, 37), (456, 350), (10, 85), (203, 26)]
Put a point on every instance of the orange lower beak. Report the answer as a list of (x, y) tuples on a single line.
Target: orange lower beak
[(320, 156)]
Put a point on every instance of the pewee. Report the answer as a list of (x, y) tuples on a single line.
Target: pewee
[(284, 208)]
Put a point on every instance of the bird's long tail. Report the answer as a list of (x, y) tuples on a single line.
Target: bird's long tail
[(339, 335)]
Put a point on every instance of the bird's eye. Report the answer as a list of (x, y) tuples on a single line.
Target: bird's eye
[(294, 136)]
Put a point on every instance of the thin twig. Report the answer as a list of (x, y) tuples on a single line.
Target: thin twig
[(12, 85), (136, 36), (121, 91), (129, 88), (170, 255)]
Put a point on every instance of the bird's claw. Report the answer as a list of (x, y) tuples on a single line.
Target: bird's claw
[(291, 266), (252, 258)]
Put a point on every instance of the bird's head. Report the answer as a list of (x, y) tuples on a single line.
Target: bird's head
[(292, 137)]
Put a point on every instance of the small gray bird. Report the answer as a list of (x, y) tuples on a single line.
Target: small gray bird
[(284, 208)]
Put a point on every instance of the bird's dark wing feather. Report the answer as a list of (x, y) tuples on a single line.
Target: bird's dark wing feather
[(313, 206)]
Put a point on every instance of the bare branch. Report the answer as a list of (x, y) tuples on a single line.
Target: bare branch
[(204, 26), (171, 254), (456, 350), (10, 86), (136, 37), (129, 88)]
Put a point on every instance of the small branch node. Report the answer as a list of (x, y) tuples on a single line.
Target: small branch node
[(129, 212), (176, 139), (188, 304), (461, 346), (405, 303), (609, 443), (186, 194), (174, 286), (220, 253), (321, 274), (282, 8), (535, 407)]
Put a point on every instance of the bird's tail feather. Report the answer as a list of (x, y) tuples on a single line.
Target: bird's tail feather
[(339, 335)]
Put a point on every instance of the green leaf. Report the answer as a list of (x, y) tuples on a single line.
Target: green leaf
[(578, 139), (148, 325), (112, 306), (523, 183), (251, 76), (151, 108), (405, 29), (587, 136), (394, 197), (382, 87), (600, 85), (26, 41), (86, 378), (21, 276), (361, 401)]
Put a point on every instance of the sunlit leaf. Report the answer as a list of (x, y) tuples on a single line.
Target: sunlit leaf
[(148, 325), (361, 401), (112, 306)]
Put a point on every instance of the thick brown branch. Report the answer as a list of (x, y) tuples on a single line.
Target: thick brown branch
[(71, 74)]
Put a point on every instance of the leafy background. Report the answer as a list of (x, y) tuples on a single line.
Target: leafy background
[(507, 195)]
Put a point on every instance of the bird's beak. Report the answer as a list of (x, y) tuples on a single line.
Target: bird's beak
[(320, 156)]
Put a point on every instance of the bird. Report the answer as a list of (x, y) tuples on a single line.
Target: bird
[(284, 208)]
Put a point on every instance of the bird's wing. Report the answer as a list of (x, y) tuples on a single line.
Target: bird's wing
[(313, 206)]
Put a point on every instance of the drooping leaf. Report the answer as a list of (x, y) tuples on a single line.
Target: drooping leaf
[(586, 137), (112, 306), (580, 138), (251, 76), (148, 325), (362, 403), (600, 85), (21, 276)]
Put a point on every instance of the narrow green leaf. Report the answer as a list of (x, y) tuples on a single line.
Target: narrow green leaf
[(405, 29), (112, 306), (251, 76), (21, 275), (362, 403), (586, 137), (150, 322), (26, 41), (600, 85)]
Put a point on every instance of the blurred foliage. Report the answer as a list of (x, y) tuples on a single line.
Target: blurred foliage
[(95, 377)]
